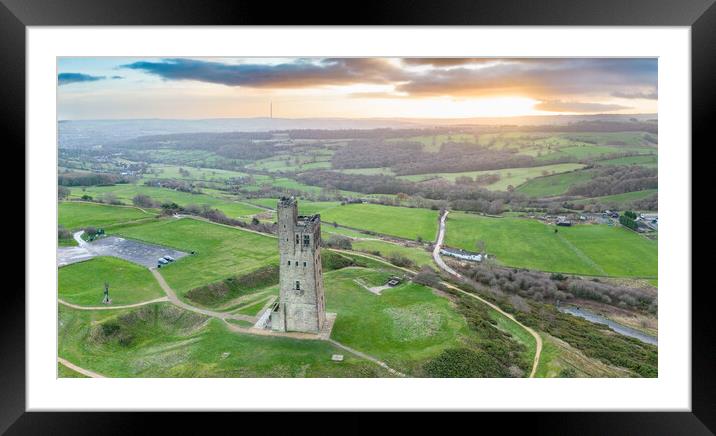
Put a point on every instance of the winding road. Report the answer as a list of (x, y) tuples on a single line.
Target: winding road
[(441, 263)]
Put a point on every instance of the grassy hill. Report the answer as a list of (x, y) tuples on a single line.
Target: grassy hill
[(581, 249), (220, 251), (83, 283), (76, 215), (126, 192), (162, 340), (407, 223)]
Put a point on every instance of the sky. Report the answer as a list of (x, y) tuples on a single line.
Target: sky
[(199, 88)]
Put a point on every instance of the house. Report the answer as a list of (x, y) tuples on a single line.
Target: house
[(563, 221)]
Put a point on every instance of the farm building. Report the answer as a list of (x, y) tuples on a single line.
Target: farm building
[(462, 254), (563, 221)]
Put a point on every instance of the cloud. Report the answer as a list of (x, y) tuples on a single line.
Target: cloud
[(557, 82), (68, 78), (297, 74), (575, 106), (648, 95), (537, 78), (445, 62)]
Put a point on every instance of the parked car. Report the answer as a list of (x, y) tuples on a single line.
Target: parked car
[(162, 261), (169, 258)]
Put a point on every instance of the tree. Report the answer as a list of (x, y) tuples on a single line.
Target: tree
[(427, 277), (63, 192), (142, 200), (110, 198)]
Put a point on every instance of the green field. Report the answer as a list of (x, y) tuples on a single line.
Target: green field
[(83, 283), (588, 151), (582, 249), (296, 161), (432, 143), (221, 251), (508, 177), (403, 326), (407, 223), (76, 215), (204, 174), (619, 199), (648, 161), (161, 340), (125, 193), (304, 207), (385, 171), (65, 372), (557, 184), (417, 255), (549, 145)]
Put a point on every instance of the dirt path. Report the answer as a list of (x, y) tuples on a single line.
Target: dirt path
[(110, 307), (85, 372), (172, 298), (439, 261), (366, 357), (370, 256)]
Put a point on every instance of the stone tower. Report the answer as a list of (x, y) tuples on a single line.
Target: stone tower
[(301, 306)]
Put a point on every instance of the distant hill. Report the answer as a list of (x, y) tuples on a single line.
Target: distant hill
[(90, 133)]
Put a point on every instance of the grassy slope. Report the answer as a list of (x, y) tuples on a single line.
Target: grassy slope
[(408, 223), (417, 255), (627, 197), (74, 215), (161, 340), (508, 176), (83, 283), (404, 326), (125, 193), (65, 372), (589, 151), (432, 143), (648, 161), (304, 207), (558, 358), (220, 251), (557, 184), (582, 249), (204, 174)]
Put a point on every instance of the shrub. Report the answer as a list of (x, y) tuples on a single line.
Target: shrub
[(398, 259), (340, 242), (464, 363), (427, 277), (63, 233), (142, 200)]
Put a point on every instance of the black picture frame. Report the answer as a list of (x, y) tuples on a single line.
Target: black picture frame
[(16, 15)]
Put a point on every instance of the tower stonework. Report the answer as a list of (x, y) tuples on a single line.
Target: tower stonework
[(301, 306)]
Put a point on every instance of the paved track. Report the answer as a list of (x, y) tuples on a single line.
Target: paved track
[(441, 263)]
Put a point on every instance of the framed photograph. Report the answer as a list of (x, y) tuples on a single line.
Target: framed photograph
[(477, 208)]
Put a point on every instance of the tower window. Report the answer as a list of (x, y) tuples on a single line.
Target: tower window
[(297, 238), (304, 264), (298, 285), (289, 263), (306, 240)]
